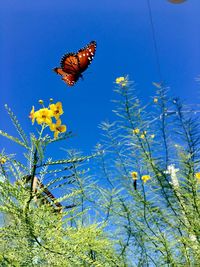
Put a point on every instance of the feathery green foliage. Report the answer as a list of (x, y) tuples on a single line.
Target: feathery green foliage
[(134, 202), (156, 220), (38, 229)]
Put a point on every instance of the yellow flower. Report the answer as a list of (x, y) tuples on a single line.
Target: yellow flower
[(43, 115), (121, 81), (136, 131), (124, 84), (152, 136), (32, 114), (145, 178), (3, 160), (134, 175), (56, 109), (155, 100), (197, 175), (58, 128)]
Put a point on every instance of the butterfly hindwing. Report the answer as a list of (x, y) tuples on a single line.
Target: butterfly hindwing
[(70, 63), (70, 79)]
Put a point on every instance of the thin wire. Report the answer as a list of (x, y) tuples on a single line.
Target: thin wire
[(154, 41)]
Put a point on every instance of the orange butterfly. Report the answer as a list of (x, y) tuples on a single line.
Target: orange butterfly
[(74, 64)]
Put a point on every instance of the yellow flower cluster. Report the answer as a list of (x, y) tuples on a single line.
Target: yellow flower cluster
[(144, 178), (121, 81), (45, 116), (142, 136)]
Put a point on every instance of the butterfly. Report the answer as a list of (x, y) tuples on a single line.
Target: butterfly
[(72, 65)]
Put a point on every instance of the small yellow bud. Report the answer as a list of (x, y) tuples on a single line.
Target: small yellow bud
[(134, 175), (136, 131), (40, 101), (155, 100)]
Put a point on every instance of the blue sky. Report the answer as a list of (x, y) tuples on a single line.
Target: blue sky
[(35, 34)]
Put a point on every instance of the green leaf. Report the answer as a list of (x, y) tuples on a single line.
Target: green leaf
[(15, 139), (17, 125)]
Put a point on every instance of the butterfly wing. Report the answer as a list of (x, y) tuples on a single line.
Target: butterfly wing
[(68, 78), (59, 71), (86, 55), (70, 63)]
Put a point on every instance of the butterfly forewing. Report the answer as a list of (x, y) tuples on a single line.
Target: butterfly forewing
[(85, 55)]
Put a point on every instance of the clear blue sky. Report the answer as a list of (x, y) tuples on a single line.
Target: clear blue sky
[(35, 34)]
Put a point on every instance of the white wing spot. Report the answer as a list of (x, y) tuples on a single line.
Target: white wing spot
[(80, 56), (84, 55), (92, 53)]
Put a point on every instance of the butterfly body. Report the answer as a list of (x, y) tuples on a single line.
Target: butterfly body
[(72, 65)]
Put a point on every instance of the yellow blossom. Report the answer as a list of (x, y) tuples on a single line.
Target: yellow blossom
[(136, 131), (197, 175), (152, 136), (56, 109), (3, 160), (43, 115), (155, 100), (121, 81), (145, 178), (134, 175), (58, 128), (32, 114)]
